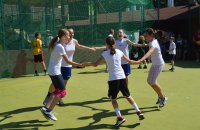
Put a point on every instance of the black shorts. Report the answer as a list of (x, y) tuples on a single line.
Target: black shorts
[(38, 58), (58, 82), (172, 56), (118, 85)]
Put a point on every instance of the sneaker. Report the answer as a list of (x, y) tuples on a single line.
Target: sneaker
[(145, 67), (163, 101), (48, 115), (61, 103), (139, 67), (158, 101), (46, 100), (120, 120), (44, 108), (36, 74), (140, 115)]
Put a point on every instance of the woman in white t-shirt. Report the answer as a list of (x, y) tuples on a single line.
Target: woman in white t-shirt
[(122, 44), (54, 69), (157, 65), (66, 68), (117, 79)]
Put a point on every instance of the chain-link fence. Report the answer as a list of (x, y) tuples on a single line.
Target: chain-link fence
[(91, 19)]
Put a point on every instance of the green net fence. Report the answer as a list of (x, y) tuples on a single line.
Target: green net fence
[(90, 19)]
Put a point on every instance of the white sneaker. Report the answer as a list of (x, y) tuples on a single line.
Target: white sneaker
[(120, 120), (163, 101), (48, 115)]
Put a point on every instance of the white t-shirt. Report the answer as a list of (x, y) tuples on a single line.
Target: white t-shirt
[(56, 60), (70, 49), (122, 45), (156, 56), (172, 48), (114, 64)]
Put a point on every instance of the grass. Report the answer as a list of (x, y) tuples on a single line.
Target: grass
[(87, 107)]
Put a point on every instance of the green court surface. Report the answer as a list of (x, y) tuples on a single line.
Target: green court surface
[(87, 107)]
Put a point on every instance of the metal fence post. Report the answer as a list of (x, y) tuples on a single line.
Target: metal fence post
[(63, 19), (2, 24), (53, 16)]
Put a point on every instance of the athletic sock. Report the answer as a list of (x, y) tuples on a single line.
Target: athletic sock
[(118, 113), (36, 71), (136, 107), (45, 71)]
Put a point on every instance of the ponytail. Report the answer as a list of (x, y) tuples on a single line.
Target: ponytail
[(112, 50), (110, 41), (52, 43)]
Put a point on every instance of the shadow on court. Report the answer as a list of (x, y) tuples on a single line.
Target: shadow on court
[(103, 114), (21, 124), (18, 111), (93, 72), (102, 126), (187, 64), (86, 103)]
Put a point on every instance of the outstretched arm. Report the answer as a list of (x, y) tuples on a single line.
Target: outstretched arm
[(95, 64), (84, 47), (130, 61), (72, 62), (147, 54), (136, 44), (100, 48)]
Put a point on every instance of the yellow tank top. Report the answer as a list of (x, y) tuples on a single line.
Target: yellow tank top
[(37, 47)]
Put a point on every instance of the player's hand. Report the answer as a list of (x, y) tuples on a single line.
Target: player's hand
[(85, 64), (81, 65), (139, 61), (93, 49)]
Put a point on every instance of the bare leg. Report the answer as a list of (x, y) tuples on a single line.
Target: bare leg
[(35, 66), (115, 104), (50, 100), (130, 100), (61, 103), (54, 101), (158, 90), (51, 88), (43, 65), (172, 61)]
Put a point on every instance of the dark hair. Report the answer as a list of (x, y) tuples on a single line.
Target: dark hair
[(150, 32), (37, 34), (110, 41), (61, 32)]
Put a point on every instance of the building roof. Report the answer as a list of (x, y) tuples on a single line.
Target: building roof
[(179, 12)]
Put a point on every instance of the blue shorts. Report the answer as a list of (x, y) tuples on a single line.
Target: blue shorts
[(66, 72), (127, 69)]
